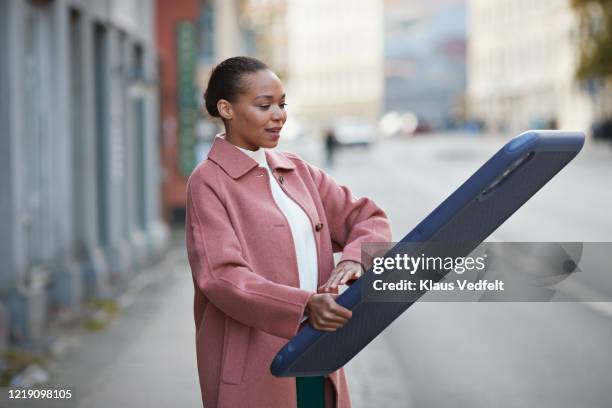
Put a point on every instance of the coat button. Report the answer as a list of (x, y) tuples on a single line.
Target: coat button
[(319, 227), (281, 179)]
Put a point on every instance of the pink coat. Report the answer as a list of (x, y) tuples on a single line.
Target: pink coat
[(247, 298)]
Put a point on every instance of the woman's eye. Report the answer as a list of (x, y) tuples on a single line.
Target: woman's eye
[(265, 107)]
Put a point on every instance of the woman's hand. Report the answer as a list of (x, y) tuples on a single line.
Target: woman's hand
[(342, 273), (325, 314)]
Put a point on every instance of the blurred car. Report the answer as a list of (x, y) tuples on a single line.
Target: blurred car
[(423, 127), (603, 130), (354, 132)]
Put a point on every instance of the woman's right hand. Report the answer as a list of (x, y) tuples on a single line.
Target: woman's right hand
[(325, 314)]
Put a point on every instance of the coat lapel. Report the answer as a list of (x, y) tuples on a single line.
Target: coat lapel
[(230, 159)]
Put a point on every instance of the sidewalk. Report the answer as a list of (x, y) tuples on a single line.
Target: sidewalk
[(146, 357)]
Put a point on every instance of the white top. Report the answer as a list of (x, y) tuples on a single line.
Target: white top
[(299, 223)]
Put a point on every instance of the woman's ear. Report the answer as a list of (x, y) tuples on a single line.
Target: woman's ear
[(225, 109)]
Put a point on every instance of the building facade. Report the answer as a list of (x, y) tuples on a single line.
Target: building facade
[(268, 30), (334, 68), (425, 60), (192, 36), (80, 178), (522, 58)]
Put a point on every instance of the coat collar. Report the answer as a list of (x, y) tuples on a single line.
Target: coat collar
[(236, 164)]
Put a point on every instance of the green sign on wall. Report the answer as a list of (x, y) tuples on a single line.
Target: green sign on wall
[(187, 103)]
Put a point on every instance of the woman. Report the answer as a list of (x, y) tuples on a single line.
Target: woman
[(261, 230)]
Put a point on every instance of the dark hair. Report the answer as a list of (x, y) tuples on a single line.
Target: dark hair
[(226, 81)]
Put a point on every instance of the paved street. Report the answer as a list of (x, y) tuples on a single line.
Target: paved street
[(436, 354), (485, 354)]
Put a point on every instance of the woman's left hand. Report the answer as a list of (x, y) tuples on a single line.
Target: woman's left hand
[(342, 273)]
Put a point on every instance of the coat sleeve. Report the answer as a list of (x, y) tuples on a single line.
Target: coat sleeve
[(352, 222), (224, 276)]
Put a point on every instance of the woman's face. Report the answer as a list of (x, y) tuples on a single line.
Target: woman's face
[(255, 119)]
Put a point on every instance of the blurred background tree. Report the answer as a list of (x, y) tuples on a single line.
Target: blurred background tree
[(595, 39)]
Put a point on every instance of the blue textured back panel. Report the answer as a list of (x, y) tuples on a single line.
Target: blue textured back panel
[(467, 216)]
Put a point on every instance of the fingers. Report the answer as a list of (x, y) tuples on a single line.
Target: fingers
[(327, 328), (328, 322), (337, 278), (330, 319), (344, 272), (337, 274), (339, 309), (327, 315), (351, 276)]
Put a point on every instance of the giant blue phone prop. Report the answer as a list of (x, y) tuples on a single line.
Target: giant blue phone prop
[(468, 216)]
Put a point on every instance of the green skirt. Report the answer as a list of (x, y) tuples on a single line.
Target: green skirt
[(310, 392)]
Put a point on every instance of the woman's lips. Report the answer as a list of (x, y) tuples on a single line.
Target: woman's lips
[(274, 133)]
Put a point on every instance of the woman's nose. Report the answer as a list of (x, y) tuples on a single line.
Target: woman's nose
[(277, 113)]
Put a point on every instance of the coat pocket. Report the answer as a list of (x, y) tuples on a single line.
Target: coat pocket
[(235, 349)]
